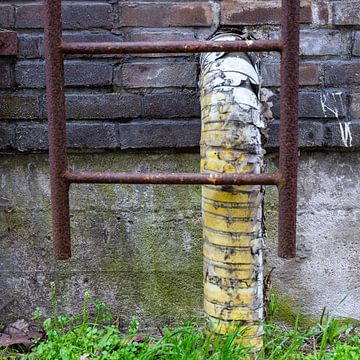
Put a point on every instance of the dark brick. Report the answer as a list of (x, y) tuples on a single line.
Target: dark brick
[(160, 134), (308, 74), (324, 42), (171, 105), (92, 135), (333, 134), (355, 106), (7, 131), (32, 74), (7, 16), (75, 16), (5, 77), (323, 12), (88, 74), (157, 75), (310, 134), (356, 47), (258, 12), (29, 16), (156, 14), (15, 107), (103, 36), (346, 12), (342, 73), (92, 37), (31, 137), (103, 106), (133, 34), (30, 46), (159, 35), (311, 104), (87, 16)]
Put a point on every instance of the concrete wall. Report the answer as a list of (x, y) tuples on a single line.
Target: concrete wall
[(137, 247)]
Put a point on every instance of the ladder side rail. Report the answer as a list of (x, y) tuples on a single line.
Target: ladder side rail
[(288, 152), (57, 129)]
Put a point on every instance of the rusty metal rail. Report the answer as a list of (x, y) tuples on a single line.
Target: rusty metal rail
[(61, 177), (172, 178), (171, 47)]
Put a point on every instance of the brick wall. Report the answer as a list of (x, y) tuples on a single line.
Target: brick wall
[(146, 101)]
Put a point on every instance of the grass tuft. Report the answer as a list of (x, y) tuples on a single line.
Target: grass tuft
[(79, 338)]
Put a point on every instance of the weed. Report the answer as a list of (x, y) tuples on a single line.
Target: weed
[(74, 338)]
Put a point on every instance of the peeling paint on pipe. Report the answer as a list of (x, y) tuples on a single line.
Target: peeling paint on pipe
[(232, 215)]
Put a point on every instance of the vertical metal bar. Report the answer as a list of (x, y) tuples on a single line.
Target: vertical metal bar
[(57, 129), (288, 160)]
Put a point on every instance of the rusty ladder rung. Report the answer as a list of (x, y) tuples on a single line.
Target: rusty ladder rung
[(170, 47), (172, 178), (61, 177)]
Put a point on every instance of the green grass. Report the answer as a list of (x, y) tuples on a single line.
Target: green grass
[(69, 338)]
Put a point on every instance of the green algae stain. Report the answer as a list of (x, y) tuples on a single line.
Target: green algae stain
[(271, 212), (285, 310)]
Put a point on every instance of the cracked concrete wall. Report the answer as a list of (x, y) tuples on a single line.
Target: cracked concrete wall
[(139, 248)]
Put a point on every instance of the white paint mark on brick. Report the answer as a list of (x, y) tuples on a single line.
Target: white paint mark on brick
[(331, 106)]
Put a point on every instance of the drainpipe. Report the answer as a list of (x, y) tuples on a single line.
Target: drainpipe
[(232, 215)]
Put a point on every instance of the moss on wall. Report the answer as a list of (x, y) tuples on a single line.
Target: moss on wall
[(139, 248), (136, 247)]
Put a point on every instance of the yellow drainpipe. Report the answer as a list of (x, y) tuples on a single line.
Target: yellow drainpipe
[(232, 215)]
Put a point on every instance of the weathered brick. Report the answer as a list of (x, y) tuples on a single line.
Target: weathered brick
[(103, 36), (14, 107), (133, 34), (157, 75), (5, 77), (308, 74), (356, 46), (30, 46), (323, 12), (316, 104), (7, 17), (32, 74), (103, 106), (7, 131), (29, 16), (75, 16), (340, 134), (156, 14), (160, 134), (324, 42), (171, 105), (355, 106), (87, 16), (234, 12), (310, 134), (31, 137), (88, 74), (93, 135), (342, 73), (346, 12)]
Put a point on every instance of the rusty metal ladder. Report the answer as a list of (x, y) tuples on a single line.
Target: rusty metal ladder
[(61, 176)]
